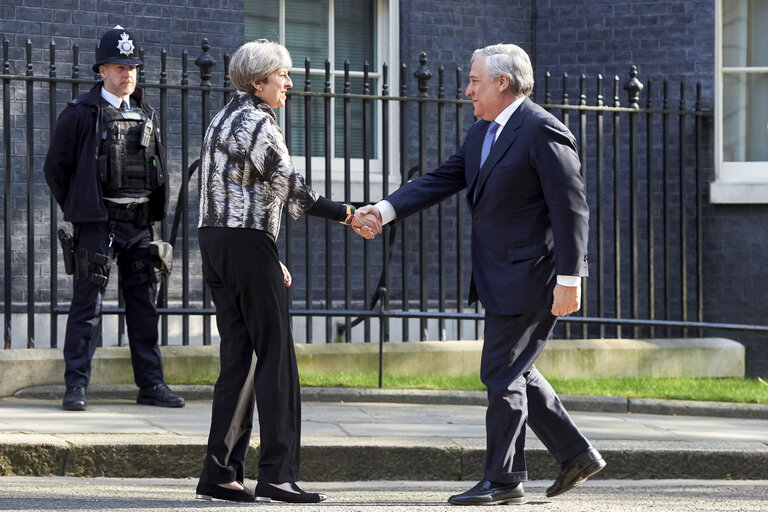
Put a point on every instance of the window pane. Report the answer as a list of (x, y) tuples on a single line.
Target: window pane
[(355, 119), (297, 118), (306, 31), (261, 20), (355, 33), (745, 117), (745, 38)]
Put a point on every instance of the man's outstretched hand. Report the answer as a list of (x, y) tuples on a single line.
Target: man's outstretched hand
[(367, 221)]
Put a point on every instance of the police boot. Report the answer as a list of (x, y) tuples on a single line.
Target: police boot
[(159, 395)]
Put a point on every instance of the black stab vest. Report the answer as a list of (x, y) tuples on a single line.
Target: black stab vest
[(128, 163)]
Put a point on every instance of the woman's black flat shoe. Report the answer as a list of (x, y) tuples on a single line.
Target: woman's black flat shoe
[(267, 490), (210, 491)]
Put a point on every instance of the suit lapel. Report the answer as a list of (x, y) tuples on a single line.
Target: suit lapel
[(472, 158), (502, 144)]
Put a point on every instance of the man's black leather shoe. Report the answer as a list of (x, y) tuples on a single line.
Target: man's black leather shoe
[(489, 493), (74, 399), (267, 490), (575, 471), (159, 395)]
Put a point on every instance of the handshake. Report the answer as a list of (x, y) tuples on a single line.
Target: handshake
[(367, 222)]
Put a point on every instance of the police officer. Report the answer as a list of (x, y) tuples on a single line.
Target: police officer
[(106, 169)]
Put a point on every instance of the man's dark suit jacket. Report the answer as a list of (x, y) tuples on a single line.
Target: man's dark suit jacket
[(529, 216)]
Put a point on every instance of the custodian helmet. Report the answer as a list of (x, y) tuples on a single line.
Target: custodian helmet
[(116, 46)]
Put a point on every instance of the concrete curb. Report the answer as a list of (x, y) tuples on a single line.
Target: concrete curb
[(693, 357), (417, 396), (332, 459)]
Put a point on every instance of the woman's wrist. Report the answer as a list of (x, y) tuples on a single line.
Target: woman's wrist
[(349, 216)]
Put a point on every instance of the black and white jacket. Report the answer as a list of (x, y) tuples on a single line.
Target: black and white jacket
[(246, 173)]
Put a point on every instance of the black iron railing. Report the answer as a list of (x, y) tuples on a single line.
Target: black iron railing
[(643, 165)]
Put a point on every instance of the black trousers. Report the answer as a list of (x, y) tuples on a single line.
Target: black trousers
[(518, 395), (258, 362), (131, 243)]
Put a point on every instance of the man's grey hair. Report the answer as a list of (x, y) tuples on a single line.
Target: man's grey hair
[(254, 61), (511, 61)]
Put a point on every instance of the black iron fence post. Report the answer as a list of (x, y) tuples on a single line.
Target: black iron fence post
[(30, 202), (566, 119), (458, 135), (163, 298), (327, 108), (7, 297), (617, 203), (423, 74), (347, 199), (667, 195), (440, 206), (184, 195), (308, 179), (583, 159), (52, 202), (633, 87), (649, 205), (599, 212), (205, 62), (683, 213), (366, 116), (403, 223), (385, 163), (699, 209)]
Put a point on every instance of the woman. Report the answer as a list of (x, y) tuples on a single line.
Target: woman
[(246, 178)]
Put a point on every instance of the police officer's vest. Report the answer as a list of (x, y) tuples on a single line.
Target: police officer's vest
[(128, 163)]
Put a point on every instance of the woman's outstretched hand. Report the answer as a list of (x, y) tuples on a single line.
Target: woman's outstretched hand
[(367, 222)]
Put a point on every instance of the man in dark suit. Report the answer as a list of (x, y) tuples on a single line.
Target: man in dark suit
[(520, 167)]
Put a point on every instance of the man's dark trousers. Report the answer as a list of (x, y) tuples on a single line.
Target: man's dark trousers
[(519, 394), (131, 243)]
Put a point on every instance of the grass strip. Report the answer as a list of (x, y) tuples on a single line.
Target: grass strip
[(678, 388)]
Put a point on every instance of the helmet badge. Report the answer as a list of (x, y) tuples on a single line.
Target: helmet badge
[(125, 45)]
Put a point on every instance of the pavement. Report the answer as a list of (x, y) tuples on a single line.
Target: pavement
[(68, 494), (372, 435)]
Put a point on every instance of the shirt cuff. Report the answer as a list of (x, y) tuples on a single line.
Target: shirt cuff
[(569, 280), (386, 210)]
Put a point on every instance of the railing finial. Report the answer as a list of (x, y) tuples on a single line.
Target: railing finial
[(205, 62), (423, 74), (633, 87)]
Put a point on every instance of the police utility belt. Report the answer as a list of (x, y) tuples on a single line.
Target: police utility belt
[(138, 213), (77, 262)]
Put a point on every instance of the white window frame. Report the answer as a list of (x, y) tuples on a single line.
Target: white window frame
[(735, 182), (388, 48)]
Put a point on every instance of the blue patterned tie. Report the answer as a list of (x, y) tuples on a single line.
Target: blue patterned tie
[(490, 137)]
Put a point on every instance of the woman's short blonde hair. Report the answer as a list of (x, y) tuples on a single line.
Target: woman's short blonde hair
[(254, 61)]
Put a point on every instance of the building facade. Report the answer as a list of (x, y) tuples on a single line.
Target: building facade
[(714, 46)]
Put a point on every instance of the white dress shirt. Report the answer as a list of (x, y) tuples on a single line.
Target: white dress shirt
[(115, 100)]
